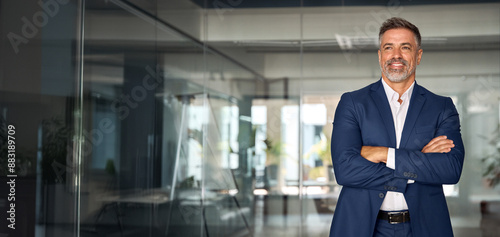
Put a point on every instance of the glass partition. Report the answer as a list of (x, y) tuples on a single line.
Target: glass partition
[(164, 114), (39, 95)]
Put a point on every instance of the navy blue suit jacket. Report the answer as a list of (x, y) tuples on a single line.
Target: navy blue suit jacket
[(363, 118)]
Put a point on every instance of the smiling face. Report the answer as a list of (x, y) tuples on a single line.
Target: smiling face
[(399, 55)]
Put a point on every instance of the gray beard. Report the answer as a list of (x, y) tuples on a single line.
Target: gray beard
[(397, 76)]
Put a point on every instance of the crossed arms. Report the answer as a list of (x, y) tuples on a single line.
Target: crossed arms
[(377, 154), (359, 165)]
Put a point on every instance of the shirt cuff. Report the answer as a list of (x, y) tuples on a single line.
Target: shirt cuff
[(391, 158), (391, 161)]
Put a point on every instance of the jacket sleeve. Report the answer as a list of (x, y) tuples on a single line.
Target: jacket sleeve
[(351, 169), (435, 168)]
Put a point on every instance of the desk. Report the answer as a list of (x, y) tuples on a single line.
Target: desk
[(143, 197), (219, 211), (153, 196)]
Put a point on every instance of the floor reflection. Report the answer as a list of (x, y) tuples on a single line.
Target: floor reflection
[(273, 216)]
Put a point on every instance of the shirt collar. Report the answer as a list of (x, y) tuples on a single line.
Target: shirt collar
[(390, 93)]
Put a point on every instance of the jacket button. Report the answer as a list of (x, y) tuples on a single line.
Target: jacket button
[(381, 195)]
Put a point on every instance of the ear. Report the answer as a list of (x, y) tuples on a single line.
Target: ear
[(419, 56), (380, 59)]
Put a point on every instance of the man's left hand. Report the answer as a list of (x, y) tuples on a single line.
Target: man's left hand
[(439, 144)]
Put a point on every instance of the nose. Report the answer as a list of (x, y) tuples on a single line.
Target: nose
[(397, 53)]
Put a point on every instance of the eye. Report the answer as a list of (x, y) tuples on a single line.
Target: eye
[(387, 48), (406, 48)]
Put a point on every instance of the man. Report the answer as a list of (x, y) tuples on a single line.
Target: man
[(394, 144)]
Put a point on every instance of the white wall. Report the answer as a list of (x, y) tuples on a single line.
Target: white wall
[(326, 22)]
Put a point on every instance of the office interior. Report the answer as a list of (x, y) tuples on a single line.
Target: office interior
[(214, 117)]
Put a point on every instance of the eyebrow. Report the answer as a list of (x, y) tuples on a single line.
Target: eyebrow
[(391, 44)]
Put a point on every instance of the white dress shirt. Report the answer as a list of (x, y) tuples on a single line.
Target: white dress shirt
[(395, 201)]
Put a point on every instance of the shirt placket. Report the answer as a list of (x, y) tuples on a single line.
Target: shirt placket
[(398, 200), (397, 121)]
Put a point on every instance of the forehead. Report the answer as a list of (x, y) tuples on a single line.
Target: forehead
[(398, 36)]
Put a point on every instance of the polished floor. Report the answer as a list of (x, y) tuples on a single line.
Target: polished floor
[(318, 224), (269, 223)]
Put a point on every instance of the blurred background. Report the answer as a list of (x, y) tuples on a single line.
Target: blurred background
[(213, 117)]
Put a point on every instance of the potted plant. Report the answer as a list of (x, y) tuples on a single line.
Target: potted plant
[(491, 162)]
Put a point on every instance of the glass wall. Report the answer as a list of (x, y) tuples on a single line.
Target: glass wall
[(213, 118), (39, 90)]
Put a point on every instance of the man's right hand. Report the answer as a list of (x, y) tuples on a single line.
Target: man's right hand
[(439, 144)]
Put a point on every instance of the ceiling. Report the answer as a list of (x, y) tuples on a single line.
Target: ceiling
[(324, 3), (250, 37)]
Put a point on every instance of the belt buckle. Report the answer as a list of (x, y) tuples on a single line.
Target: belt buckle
[(393, 217)]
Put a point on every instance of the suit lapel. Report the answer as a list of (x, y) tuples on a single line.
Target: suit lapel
[(416, 103), (379, 97)]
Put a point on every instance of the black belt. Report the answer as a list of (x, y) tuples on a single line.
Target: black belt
[(394, 217)]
